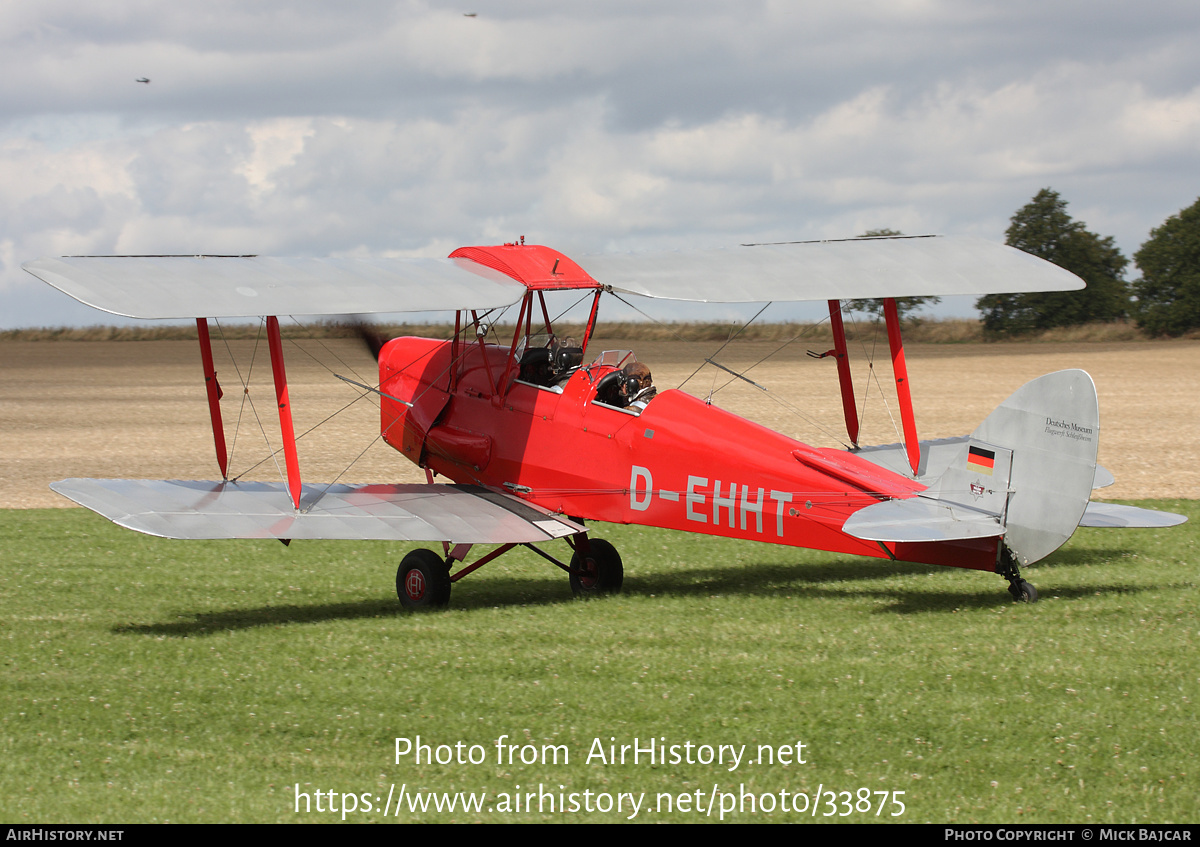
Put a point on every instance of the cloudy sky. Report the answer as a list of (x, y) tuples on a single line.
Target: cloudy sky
[(410, 128)]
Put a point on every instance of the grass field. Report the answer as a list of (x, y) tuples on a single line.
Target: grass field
[(148, 680)]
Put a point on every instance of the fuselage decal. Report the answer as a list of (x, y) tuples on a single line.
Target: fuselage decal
[(724, 503)]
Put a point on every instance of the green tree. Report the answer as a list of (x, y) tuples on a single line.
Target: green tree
[(1168, 294), (905, 306), (1043, 228)]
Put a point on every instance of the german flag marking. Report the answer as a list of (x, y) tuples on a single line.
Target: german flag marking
[(981, 460)]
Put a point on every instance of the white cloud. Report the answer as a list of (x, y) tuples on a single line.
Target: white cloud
[(405, 128), (276, 145)]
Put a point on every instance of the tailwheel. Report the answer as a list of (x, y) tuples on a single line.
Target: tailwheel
[(599, 571), (1022, 592), (423, 580), (1006, 566)]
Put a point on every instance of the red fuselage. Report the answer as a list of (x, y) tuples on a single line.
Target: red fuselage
[(679, 463)]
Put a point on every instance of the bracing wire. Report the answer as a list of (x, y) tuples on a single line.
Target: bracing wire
[(872, 375), (248, 399), (790, 407), (463, 331)]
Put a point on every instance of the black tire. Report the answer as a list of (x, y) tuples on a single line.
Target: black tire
[(423, 580), (601, 572), (1023, 592)]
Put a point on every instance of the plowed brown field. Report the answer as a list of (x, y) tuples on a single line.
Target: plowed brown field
[(137, 409)]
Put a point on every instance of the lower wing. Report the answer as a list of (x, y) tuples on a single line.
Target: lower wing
[(465, 514)]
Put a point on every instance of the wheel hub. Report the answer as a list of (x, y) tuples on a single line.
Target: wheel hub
[(587, 574), (414, 585)]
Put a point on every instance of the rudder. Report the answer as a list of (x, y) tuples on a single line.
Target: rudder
[(1052, 427)]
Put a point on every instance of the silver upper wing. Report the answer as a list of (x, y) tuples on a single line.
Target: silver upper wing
[(832, 270), (177, 287), (248, 286)]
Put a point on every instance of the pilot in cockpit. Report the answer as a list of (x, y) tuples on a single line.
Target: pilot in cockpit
[(630, 387), (637, 385)]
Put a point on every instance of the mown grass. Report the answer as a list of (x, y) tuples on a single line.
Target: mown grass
[(925, 331), (149, 680)]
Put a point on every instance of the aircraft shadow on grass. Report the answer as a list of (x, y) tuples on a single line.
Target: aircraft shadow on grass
[(831, 579)]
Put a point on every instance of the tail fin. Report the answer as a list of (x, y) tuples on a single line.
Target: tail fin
[(1049, 430), (1025, 474)]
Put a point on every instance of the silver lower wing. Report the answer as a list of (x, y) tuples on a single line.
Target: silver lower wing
[(210, 510)]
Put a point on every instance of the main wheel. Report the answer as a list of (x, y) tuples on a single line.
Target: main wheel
[(600, 572), (423, 580)]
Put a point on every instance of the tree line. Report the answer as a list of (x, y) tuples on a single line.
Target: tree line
[(1164, 300)]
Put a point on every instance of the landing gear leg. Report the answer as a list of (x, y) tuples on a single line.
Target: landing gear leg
[(1021, 591)]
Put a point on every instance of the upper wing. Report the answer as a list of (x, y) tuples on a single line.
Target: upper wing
[(249, 286), (208, 510), (491, 277), (832, 270)]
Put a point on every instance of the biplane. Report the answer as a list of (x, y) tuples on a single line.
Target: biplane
[(538, 435)]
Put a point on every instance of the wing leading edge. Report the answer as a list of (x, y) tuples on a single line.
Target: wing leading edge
[(214, 510)]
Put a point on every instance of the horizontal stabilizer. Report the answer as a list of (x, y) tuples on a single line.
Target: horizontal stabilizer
[(921, 519), (208, 510), (937, 456), (1119, 516)]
